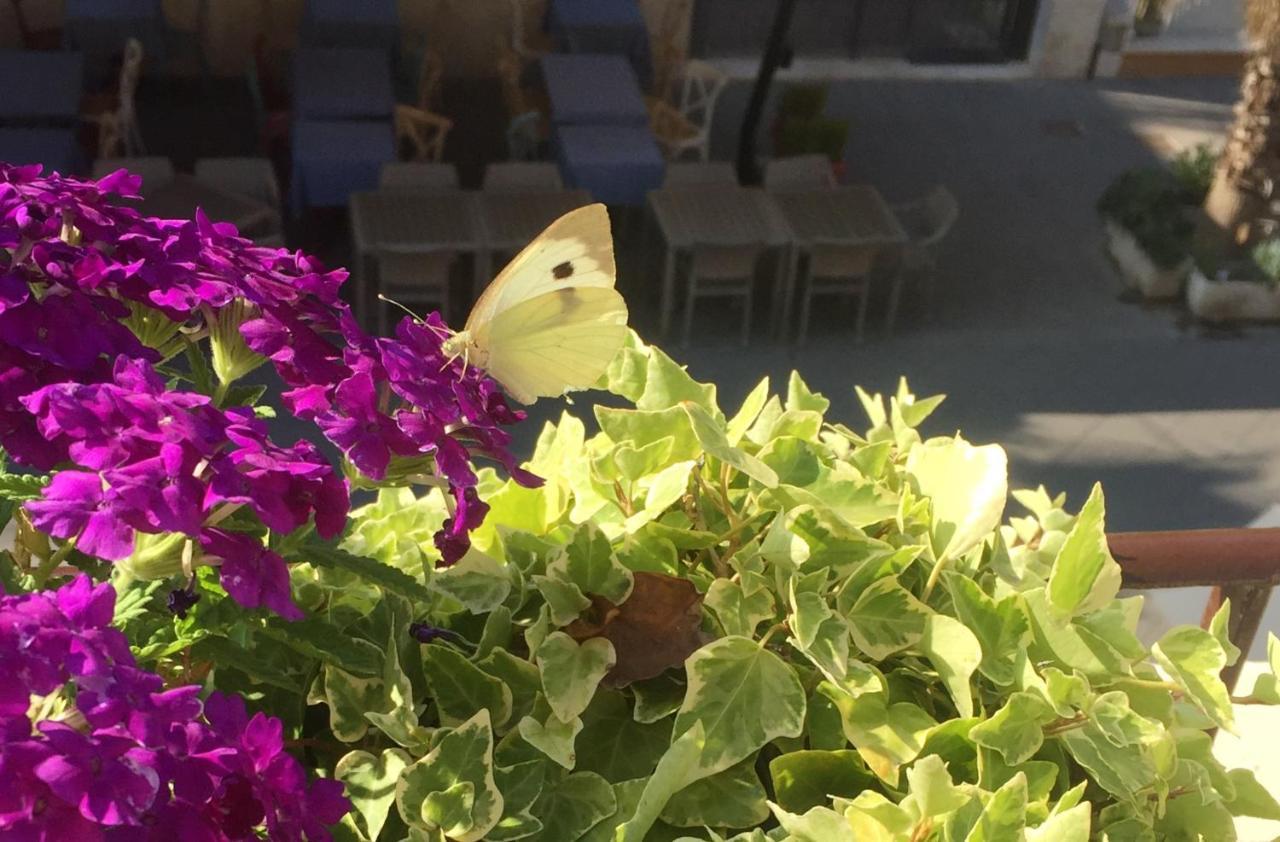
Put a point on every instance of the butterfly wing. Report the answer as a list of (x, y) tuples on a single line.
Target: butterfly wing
[(560, 340), (574, 251)]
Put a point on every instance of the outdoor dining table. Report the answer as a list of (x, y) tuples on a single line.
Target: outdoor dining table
[(603, 26), (510, 221), (410, 222), (57, 149), (351, 23), (593, 90), (334, 158), (855, 215), (708, 214), (40, 86), (342, 83), (617, 165), (102, 26), (179, 199)]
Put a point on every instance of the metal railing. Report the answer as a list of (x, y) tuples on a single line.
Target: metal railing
[(1242, 565)]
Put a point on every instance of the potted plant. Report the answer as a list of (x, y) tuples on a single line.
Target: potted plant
[(800, 127), (1245, 290), (1148, 231), (698, 623)]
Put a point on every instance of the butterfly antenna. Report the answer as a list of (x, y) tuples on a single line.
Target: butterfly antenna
[(393, 302)]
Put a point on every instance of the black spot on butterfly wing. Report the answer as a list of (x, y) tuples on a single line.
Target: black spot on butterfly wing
[(562, 271)]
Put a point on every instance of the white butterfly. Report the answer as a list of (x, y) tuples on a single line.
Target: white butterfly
[(551, 321)]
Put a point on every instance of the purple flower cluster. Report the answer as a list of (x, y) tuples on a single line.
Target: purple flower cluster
[(78, 387), (132, 760)]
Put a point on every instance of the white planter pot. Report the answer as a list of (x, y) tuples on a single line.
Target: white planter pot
[(1139, 270), (1224, 301)]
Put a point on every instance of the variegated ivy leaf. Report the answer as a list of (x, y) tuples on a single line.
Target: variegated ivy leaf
[(452, 788), (733, 798), (955, 653), (1195, 659), (1001, 626), (805, 779), (657, 698), (711, 436), (887, 619), (740, 606), (461, 688), (478, 582), (968, 486), (1219, 627), (552, 736), (397, 717), (931, 785), (521, 786), (680, 766), (571, 671), (886, 735), (821, 824), (1005, 815), (1266, 687), (1121, 770), (747, 413), (668, 384), (349, 697), (565, 600), (873, 816), (1084, 577), (744, 696), (572, 806), (1017, 729), (1251, 798), (370, 782), (613, 744), (627, 797), (588, 562)]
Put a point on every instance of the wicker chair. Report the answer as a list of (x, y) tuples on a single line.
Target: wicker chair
[(421, 134), (116, 115)]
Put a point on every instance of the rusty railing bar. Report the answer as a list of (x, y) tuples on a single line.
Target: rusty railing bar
[(1242, 565)]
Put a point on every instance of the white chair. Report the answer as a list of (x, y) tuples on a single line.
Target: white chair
[(799, 172), (722, 271), (155, 171), (700, 87), (699, 174), (418, 177), (118, 132), (927, 221), (251, 177), (419, 279), (522, 176), (421, 134), (837, 269)]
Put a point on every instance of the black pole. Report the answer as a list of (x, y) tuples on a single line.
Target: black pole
[(776, 54)]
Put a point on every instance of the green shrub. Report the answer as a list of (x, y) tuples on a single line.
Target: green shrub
[(1266, 258), (1193, 168), (1149, 204), (803, 102)]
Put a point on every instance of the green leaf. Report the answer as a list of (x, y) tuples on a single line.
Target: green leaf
[(564, 598), (322, 640), (746, 415), (1004, 817), (571, 671), (383, 575), (1017, 729), (520, 676), (349, 697), (1084, 576), (1188, 817), (968, 486), (573, 806), (873, 816), (887, 619), (553, 737), (806, 779), (614, 745), (588, 562), (1266, 687), (1195, 659), (740, 606), (460, 688), (955, 653), (657, 698), (521, 786), (398, 715), (370, 783), (1219, 627), (1121, 770), (680, 765), (821, 824), (1001, 627), (626, 373), (1251, 797), (711, 436), (22, 487), (799, 396), (668, 384), (743, 696), (932, 787), (452, 788), (627, 794), (887, 736), (732, 798), (478, 581), (633, 463)]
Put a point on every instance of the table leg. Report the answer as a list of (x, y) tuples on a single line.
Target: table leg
[(895, 295), (668, 292), (782, 314)]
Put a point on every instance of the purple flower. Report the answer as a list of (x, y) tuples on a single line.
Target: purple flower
[(109, 779), (78, 505), (367, 437), (252, 574)]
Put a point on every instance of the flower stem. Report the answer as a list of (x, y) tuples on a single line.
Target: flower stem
[(50, 564)]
